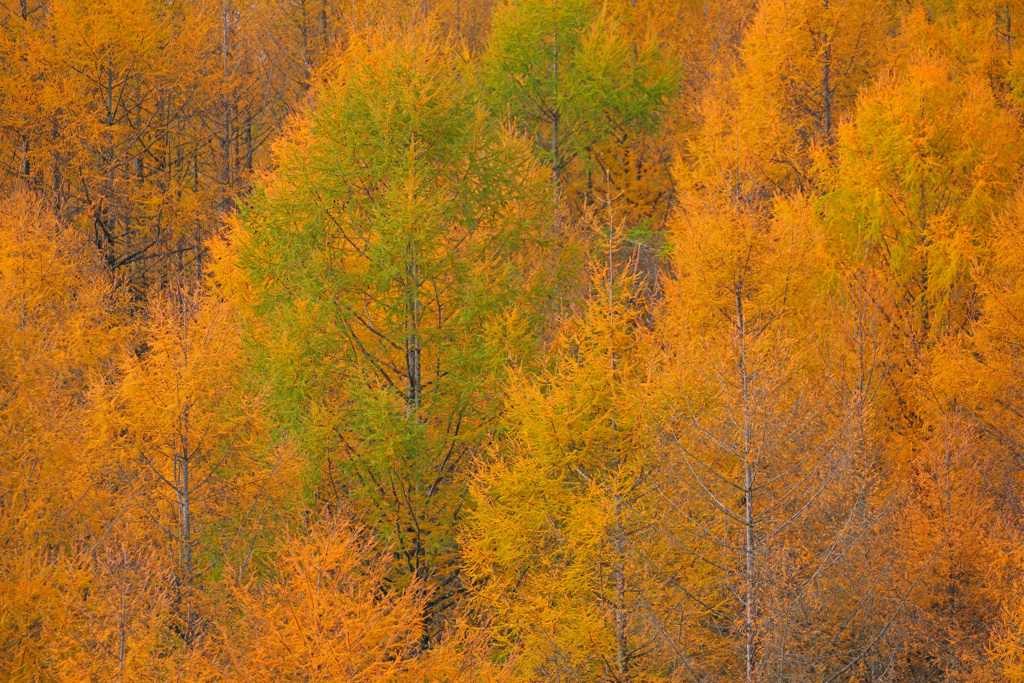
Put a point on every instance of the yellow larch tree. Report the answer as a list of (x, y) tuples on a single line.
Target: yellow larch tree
[(803, 65), (978, 379), (549, 544)]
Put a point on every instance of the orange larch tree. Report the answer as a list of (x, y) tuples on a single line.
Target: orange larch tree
[(189, 466), (59, 330), (326, 611)]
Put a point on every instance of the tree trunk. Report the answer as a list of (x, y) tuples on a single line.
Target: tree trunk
[(749, 539), (826, 85)]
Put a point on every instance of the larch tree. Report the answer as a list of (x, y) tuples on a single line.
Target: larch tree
[(195, 472), (325, 611), (58, 325), (765, 493), (388, 261), (115, 612), (927, 158), (927, 161), (139, 120), (121, 143), (803, 65), (565, 74), (548, 545), (976, 380)]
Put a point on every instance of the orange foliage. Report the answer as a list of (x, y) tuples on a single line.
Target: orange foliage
[(326, 613), (799, 459)]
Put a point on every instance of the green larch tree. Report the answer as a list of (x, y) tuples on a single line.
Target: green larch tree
[(566, 74), (389, 258)]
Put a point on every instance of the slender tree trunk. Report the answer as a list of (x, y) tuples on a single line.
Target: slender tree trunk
[(184, 501), (826, 84), (555, 155), (749, 538), (619, 576), (183, 484), (26, 166), (1009, 34), (225, 98), (413, 350), (325, 42), (122, 625), (618, 572)]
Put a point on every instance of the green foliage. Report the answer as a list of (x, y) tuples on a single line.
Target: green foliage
[(387, 257), (563, 70)]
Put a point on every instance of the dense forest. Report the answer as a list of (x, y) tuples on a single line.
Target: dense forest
[(512, 340)]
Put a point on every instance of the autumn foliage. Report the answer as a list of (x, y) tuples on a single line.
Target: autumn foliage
[(493, 340)]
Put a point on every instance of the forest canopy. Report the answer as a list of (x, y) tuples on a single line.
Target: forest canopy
[(621, 341)]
